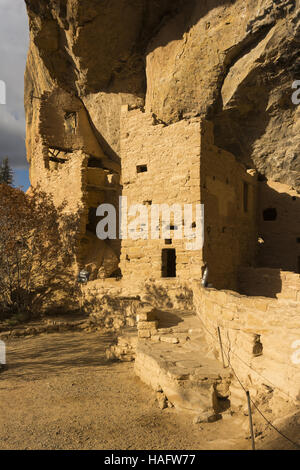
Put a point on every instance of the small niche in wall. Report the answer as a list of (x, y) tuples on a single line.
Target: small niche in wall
[(168, 241), (270, 214), (141, 168)]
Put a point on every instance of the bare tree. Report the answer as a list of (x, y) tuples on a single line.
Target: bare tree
[(37, 252)]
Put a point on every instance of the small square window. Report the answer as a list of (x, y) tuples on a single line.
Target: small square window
[(141, 168), (270, 214)]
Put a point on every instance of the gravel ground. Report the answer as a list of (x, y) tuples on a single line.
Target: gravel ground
[(60, 392)]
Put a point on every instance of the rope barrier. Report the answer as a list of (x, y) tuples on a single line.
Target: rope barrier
[(296, 444), (250, 367), (260, 412)]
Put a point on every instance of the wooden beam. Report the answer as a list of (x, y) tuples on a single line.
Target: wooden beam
[(101, 188)]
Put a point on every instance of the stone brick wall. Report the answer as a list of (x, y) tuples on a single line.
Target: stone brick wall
[(269, 282), (147, 321), (110, 311), (117, 304), (257, 333), (228, 193), (75, 169), (172, 157), (182, 165), (53, 126), (279, 226), (64, 183), (164, 293)]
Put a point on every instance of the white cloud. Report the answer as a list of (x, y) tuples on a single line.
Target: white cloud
[(14, 39)]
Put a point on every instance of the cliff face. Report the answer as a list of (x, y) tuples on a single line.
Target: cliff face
[(232, 62)]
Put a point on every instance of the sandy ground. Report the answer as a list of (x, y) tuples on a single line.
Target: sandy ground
[(60, 392)]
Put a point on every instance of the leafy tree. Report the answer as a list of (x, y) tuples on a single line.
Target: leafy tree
[(6, 173), (37, 253)]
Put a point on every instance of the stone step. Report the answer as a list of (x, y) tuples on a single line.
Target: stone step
[(125, 348), (179, 365), (189, 379)]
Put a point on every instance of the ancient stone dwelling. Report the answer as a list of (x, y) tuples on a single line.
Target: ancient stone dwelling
[(189, 103), (182, 165), (161, 164)]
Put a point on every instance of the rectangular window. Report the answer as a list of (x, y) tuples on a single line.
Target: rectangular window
[(71, 122), (141, 168)]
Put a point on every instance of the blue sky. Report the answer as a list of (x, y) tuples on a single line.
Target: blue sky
[(21, 178), (14, 38)]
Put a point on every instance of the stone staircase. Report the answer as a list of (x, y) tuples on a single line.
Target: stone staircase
[(125, 348), (176, 362)]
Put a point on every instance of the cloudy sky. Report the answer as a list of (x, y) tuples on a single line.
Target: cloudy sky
[(13, 50)]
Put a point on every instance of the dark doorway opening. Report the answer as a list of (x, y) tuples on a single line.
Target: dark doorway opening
[(92, 220), (168, 266)]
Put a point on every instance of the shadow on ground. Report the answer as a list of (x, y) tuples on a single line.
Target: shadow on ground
[(45, 355)]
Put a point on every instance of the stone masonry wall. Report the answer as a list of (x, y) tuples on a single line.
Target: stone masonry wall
[(172, 156), (75, 170), (279, 226), (164, 293), (269, 282), (64, 123), (228, 193), (258, 334), (68, 180), (182, 165)]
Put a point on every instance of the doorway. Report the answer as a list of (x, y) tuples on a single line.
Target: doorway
[(168, 262)]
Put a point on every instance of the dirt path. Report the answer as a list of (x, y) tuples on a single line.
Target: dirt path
[(59, 392)]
